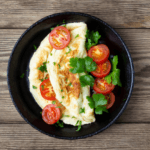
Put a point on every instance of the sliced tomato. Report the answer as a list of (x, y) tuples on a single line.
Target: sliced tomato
[(51, 114), (59, 37), (99, 53), (110, 100), (101, 86), (102, 69), (47, 91)]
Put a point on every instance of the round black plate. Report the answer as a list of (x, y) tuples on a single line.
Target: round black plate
[(19, 63)]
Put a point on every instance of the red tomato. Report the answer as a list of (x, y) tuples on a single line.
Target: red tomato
[(111, 100), (47, 91), (101, 86), (99, 53), (59, 37), (102, 70), (51, 114)]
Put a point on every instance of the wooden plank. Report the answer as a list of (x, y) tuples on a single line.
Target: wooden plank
[(116, 137), (119, 14), (138, 43)]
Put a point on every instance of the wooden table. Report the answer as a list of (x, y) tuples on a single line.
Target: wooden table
[(131, 19)]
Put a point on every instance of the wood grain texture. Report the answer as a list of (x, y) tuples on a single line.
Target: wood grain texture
[(138, 43), (117, 137), (118, 13)]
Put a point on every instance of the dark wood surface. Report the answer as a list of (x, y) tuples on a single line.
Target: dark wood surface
[(131, 19)]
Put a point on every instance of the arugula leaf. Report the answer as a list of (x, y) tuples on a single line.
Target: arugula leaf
[(100, 109), (90, 65), (59, 124), (82, 110), (91, 102), (86, 80), (114, 76), (22, 75), (77, 64), (35, 47), (51, 54), (34, 87), (43, 67), (92, 38), (79, 126), (99, 99)]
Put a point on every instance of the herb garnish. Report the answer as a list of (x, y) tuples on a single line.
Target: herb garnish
[(59, 124), (92, 38), (35, 47), (82, 110), (53, 102), (97, 101), (62, 90), (114, 76), (22, 75), (58, 107), (42, 86), (34, 87), (41, 112), (69, 50), (59, 66), (77, 36), (79, 126), (70, 84), (73, 117), (43, 67), (51, 54), (63, 97), (86, 80), (65, 116), (54, 63), (64, 21)]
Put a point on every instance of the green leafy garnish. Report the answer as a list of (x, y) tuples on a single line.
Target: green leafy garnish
[(114, 76), (62, 90), (35, 47), (77, 36), (69, 84), (58, 107), (91, 102), (59, 66), (46, 78), (57, 25), (66, 79), (64, 21), (41, 112), (90, 65), (77, 64), (73, 117), (22, 75), (86, 80), (63, 97), (59, 124), (42, 86), (53, 102), (43, 67), (65, 116), (98, 102), (54, 63), (79, 126), (82, 110), (51, 29), (82, 64), (51, 54), (41, 80), (77, 122), (34, 87), (69, 50), (64, 25), (92, 38)]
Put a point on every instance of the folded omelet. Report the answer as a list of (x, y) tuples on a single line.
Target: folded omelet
[(69, 93)]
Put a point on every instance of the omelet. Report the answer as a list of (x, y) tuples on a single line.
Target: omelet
[(66, 85)]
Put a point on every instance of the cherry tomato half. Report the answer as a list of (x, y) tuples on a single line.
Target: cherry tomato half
[(59, 37), (101, 86), (102, 69), (47, 91), (110, 100), (51, 114), (99, 53)]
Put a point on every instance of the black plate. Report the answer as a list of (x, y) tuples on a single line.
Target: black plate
[(19, 63)]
